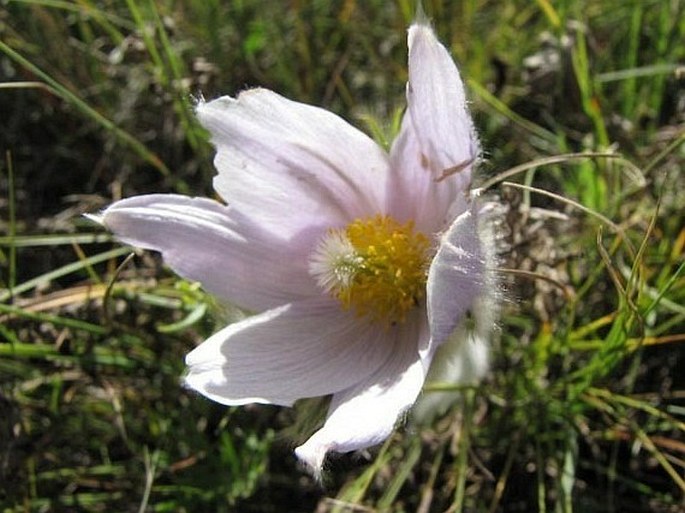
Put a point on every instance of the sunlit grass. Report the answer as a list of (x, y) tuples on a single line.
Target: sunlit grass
[(577, 107)]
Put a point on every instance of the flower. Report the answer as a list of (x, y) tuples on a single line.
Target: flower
[(358, 264)]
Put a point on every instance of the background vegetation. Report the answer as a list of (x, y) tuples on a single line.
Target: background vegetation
[(585, 406)]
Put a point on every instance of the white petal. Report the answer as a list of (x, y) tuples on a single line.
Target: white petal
[(461, 360), (367, 413), (433, 154), (416, 194), (202, 240), (289, 165), (306, 349), (456, 278), (437, 106)]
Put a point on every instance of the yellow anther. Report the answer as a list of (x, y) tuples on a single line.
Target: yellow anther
[(384, 264)]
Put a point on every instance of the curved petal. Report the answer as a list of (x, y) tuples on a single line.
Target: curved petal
[(284, 163), (414, 193), (437, 105), (366, 414), (305, 349), (456, 278), (437, 145), (203, 240)]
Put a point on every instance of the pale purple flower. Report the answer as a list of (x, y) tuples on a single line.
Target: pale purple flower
[(357, 264)]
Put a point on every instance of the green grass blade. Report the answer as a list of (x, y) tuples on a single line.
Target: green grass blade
[(88, 111)]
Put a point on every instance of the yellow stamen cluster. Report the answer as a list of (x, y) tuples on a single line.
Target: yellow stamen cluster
[(383, 265)]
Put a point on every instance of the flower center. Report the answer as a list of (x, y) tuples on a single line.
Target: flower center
[(376, 266)]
